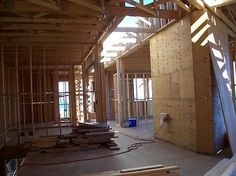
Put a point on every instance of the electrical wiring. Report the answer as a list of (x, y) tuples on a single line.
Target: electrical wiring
[(132, 147)]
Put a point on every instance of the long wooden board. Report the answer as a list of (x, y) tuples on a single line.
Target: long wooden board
[(225, 96)]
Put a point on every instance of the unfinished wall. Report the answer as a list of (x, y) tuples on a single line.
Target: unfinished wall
[(173, 84), (184, 85)]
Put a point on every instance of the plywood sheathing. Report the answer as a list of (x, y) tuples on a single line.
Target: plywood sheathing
[(203, 87), (173, 84)]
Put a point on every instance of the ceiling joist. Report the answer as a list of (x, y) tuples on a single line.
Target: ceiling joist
[(44, 4), (87, 5), (141, 7), (182, 5)]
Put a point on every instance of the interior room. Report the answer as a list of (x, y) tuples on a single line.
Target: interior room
[(117, 87)]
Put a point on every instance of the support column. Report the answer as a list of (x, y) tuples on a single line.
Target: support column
[(121, 93), (100, 93)]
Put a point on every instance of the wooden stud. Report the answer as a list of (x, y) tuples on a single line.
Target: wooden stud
[(45, 88), (31, 91), (23, 98), (18, 97), (3, 94)]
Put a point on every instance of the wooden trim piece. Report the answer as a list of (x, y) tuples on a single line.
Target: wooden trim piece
[(87, 5)]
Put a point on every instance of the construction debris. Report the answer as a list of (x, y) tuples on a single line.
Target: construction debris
[(157, 170)]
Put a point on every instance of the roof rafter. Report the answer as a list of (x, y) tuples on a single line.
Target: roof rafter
[(44, 4), (87, 5), (141, 7)]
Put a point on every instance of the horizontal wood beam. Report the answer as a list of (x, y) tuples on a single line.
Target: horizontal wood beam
[(219, 3), (197, 3), (141, 7), (46, 34), (38, 27), (133, 29), (182, 5), (81, 20), (44, 4), (87, 5), (127, 11), (170, 14)]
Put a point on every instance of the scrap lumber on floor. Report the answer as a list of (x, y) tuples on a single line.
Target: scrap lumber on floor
[(157, 170)]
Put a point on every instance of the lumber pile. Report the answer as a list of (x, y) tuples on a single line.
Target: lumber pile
[(226, 167), (156, 170), (89, 134)]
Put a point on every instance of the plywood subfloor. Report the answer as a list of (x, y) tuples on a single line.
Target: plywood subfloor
[(158, 153)]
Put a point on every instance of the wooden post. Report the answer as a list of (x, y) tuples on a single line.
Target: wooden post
[(40, 97), (85, 97), (31, 91), (128, 94), (56, 99), (23, 97), (99, 87), (145, 97), (3, 95), (44, 88), (136, 102), (121, 93), (18, 96)]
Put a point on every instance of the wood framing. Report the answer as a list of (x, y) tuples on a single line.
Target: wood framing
[(87, 5)]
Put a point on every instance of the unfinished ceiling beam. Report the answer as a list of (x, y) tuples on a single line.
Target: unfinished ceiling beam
[(170, 14), (44, 4), (141, 7), (127, 11), (182, 5), (134, 29), (39, 27), (79, 20), (221, 15), (87, 5), (197, 3), (219, 3)]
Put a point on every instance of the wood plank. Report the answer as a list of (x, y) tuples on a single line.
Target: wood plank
[(134, 29), (78, 20), (197, 3), (141, 168), (44, 4), (182, 5), (219, 3), (225, 97), (141, 7), (87, 5)]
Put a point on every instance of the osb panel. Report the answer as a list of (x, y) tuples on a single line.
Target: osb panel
[(181, 129), (202, 82), (171, 49), (173, 84)]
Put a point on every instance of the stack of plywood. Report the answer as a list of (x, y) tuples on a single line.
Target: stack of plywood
[(157, 170)]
